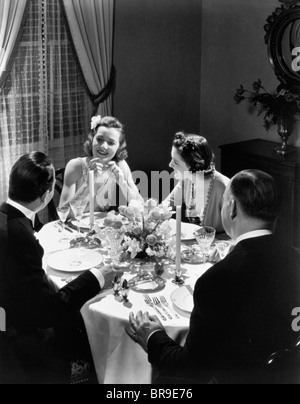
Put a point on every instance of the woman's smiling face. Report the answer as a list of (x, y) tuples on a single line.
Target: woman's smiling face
[(106, 144)]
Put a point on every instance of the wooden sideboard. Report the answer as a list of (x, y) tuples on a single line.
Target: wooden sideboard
[(259, 154)]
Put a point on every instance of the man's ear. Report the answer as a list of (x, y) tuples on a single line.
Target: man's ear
[(44, 196), (233, 210)]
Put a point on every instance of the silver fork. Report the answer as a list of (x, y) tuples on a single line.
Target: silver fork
[(149, 302), (157, 302), (166, 304)]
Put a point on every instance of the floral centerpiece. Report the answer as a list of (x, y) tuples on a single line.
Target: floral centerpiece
[(275, 107), (148, 233)]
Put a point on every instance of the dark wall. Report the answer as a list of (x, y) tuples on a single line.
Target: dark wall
[(234, 53), (157, 56)]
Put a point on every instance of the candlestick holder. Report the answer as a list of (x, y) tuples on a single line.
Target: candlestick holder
[(117, 286), (125, 291), (178, 272), (178, 278)]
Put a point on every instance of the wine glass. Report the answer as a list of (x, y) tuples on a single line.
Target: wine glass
[(78, 206), (63, 213), (223, 248), (114, 239), (205, 236)]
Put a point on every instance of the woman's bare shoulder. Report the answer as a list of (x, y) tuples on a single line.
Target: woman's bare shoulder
[(76, 164), (124, 166), (74, 168)]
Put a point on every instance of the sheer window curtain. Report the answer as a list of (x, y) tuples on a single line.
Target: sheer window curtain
[(45, 101), (21, 128), (69, 107), (91, 26), (11, 18), (44, 104)]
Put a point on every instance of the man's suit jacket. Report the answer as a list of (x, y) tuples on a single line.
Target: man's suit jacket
[(29, 299), (242, 314)]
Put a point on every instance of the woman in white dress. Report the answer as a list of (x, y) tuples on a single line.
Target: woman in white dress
[(106, 154), (200, 188)]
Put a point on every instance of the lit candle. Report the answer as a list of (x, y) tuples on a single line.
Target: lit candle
[(92, 196), (178, 240)]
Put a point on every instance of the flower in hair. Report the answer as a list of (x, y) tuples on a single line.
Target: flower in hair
[(96, 120), (190, 144)]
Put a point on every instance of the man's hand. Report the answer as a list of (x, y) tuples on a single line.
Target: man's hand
[(142, 327), (214, 256)]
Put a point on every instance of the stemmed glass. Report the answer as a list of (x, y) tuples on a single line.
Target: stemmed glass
[(114, 239), (63, 213), (205, 236), (223, 248), (78, 206)]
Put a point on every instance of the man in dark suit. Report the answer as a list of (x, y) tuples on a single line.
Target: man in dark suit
[(45, 331), (242, 305)]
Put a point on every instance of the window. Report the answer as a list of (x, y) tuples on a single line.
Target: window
[(43, 104)]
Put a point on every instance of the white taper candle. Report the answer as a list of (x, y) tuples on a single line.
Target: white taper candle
[(178, 240), (92, 196)]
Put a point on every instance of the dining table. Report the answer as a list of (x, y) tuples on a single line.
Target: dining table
[(117, 358)]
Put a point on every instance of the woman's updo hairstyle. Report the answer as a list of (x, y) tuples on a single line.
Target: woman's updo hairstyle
[(108, 122), (196, 152)]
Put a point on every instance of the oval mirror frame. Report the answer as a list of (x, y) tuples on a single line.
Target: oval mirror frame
[(283, 48)]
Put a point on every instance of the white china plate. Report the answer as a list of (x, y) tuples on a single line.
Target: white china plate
[(74, 260), (85, 221), (182, 298), (187, 230)]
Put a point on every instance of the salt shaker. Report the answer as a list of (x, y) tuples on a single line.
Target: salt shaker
[(116, 285), (125, 291)]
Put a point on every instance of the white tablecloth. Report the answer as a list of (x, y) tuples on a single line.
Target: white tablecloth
[(118, 359)]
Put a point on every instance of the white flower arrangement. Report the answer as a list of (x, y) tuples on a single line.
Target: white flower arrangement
[(148, 233)]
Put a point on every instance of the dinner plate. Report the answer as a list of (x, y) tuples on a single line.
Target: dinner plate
[(182, 298), (74, 260), (85, 221), (187, 230)]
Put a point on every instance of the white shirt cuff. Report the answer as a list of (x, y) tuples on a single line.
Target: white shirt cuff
[(97, 273)]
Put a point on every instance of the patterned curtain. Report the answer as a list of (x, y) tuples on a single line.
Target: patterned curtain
[(43, 103), (68, 103), (91, 25), (12, 13), (22, 126)]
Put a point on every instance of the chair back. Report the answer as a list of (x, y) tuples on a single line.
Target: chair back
[(283, 367), (59, 175)]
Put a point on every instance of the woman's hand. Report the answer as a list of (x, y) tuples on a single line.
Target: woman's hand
[(96, 166), (118, 173)]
